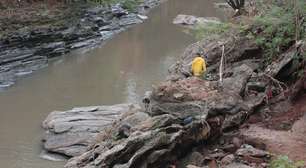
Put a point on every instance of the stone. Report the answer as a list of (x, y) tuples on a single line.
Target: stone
[(180, 110), (189, 89), (193, 166), (243, 49), (222, 5), (234, 120), (256, 86), (237, 142), (118, 11), (237, 83), (135, 119), (52, 157), (193, 20), (275, 68), (237, 165), (228, 159), (194, 158), (82, 44), (248, 150), (225, 103), (143, 17), (129, 20), (71, 132), (149, 147), (106, 34)]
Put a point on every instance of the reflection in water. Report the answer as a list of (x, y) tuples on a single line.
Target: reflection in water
[(130, 91), (119, 71)]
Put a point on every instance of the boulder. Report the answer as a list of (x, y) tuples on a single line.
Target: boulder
[(193, 20), (129, 20), (118, 11), (248, 150), (244, 49), (256, 86), (189, 89), (238, 81), (151, 148), (194, 158), (237, 165), (70, 132), (284, 59), (180, 110), (228, 159)]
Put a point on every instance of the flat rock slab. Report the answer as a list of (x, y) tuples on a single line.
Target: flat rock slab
[(70, 132), (193, 20)]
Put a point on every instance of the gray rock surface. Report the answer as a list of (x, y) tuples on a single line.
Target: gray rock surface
[(179, 115), (160, 137), (70, 132), (284, 59), (238, 82), (248, 150), (237, 165), (243, 49), (193, 20)]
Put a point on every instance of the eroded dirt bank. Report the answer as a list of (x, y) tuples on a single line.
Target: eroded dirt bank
[(283, 133)]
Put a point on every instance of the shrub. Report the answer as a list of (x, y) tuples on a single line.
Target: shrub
[(210, 30), (285, 162), (276, 29)]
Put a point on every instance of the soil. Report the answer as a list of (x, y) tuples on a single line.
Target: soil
[(280, 116), (290, 142)]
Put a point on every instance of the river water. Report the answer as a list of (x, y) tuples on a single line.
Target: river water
[(119, 71)]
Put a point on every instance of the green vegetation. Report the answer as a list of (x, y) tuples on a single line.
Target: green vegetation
[(277, 26), (285, 162), (210, 29), (277, 29), (130, 5)]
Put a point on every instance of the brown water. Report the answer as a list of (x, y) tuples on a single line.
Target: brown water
[(119, 71)]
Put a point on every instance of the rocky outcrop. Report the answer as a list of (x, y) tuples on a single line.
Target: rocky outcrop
[(181, 115), (28, 49), (176, 122), (237, 49), (71, 132), (189, 20)]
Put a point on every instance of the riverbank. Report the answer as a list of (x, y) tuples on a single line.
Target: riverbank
[(191, 122), (32, 36)]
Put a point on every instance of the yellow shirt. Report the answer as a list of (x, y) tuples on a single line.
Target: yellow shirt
[(198, 66)]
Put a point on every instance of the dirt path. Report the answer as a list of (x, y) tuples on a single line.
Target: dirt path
[(291, 143)]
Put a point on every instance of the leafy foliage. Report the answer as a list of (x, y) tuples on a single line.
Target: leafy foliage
[(203, 31), (130, 5), (285, 162), (212, 29), (276, 29)]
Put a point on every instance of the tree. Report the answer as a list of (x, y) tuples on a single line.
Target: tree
[(237, 5)]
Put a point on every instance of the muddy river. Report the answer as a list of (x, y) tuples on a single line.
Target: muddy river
[(119, 71)]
